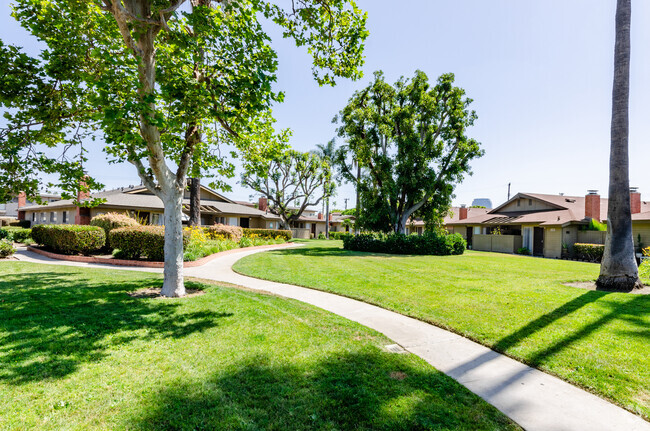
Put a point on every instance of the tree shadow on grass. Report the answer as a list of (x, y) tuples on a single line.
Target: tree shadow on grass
[(351, 391), (54, 321)]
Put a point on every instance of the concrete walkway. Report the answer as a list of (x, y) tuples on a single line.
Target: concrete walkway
[(533, 399)]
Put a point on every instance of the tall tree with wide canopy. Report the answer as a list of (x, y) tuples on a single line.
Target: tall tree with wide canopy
[(174, 85), (411, 141), (618, 269)]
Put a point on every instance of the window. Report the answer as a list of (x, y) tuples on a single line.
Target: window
[(271, 225), (33, 216), (518, 202), (44, 217), (52, 217), (64, 217), (232, 221), (530, 201), (477, 230)]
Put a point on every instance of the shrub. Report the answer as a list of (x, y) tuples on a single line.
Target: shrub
[(524, 251), (268, 233), (644, 269), (6, 248), (138, 241), (429, 243), (223, 231), (69, 239), (16, 234), (25, 224), (110, 221), (339, 235), (321, 235), (589, 252)]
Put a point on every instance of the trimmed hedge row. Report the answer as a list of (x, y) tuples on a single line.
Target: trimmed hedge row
[(339, 235), (141, 241), (589, 252), (16, 234), (69, 238), (25, 224), (268, 233), (110, 221), (429, 243)]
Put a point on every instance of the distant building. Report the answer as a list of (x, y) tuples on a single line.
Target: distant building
[(10, 209), (482, 202)]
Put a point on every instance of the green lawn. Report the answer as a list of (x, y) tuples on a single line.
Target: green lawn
[(514, 304), (78, 353)]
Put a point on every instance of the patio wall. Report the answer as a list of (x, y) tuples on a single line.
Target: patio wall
[(591, 237), (301, 233), (497, 243)]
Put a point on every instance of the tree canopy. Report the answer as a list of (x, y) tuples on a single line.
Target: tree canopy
[(410, 139), (171, 86)]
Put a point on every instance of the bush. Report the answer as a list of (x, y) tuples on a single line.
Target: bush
[(25, 224), (141, 241), (268, 233), (524, 251), (6, 248), (339, 235), (589, 252), (223, 231), (69, 239), (429, 243), (16, 234), (321, 235), (110, 221)]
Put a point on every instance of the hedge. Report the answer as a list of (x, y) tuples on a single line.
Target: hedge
[(589, 252), (141, 241), (339, 235), (430, 243), (224, 231), (110, 221), (25, 224), (69, 239), (16, 234), (268, 233)]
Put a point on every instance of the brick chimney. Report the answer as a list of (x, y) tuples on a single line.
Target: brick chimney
[(320, 216), (83, 195), (22, 199), (462, 212), (263, 204), (330, 217), (635, 200), (592, 205)]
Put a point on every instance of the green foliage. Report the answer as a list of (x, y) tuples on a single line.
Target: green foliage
[(589, 252), (524, 251), (222, 231), (291, 181), (410, 140), (137, 242), (595, 225), (16, 234), (496, 231), (69, 239), (644, 269), (110, 221), (285, 235), (339, 235), (429, 243), (6, 248), (26, 224), (321, 235)]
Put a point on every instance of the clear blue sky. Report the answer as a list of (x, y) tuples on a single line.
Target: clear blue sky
[(540, 74)]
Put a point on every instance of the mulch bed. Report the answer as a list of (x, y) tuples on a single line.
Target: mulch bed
[(154, 292), (590, 285)]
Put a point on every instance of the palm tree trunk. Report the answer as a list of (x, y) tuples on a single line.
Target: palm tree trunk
[(618, 270)]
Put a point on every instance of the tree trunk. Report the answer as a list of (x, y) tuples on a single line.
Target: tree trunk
[(327, 218), (357, 228), (173, 285), (618, 270), (195, 202)]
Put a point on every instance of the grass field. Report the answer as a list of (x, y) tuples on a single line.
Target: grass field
[(514, 304), (78, 353)]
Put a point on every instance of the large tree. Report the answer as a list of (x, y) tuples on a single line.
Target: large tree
[(291, 181), (172, 85), (618, 270), (410, 139)]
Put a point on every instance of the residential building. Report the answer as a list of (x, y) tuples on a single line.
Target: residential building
[(10, 209)]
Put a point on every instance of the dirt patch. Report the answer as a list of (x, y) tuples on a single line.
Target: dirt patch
[(9, 258), (154, 292), (591, 285), (397, 375)]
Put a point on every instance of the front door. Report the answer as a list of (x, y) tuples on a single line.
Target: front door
[(244, 222), (468, 236), (538, 241)]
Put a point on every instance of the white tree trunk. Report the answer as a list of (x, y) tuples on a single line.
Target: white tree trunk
[(173, 285)]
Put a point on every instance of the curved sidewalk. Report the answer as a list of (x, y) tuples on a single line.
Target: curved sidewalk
[(533, 399)]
